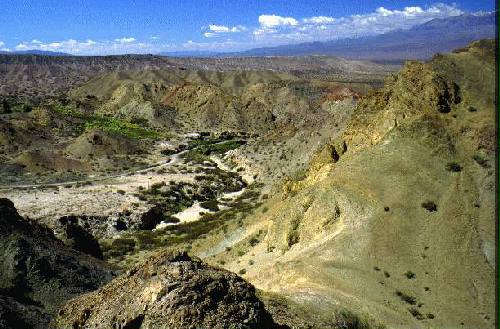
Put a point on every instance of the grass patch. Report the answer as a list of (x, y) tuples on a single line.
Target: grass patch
[(111, 125)]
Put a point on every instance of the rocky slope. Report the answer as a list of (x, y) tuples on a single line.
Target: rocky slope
[(195, 100), (38, 273), (33, 78), (169, 291), (395, 218)]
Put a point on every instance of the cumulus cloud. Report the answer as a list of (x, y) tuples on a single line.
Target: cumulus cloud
[(125, 40), (319, 20), (92, 47), (276, 29), (214, 30), (270, 21)]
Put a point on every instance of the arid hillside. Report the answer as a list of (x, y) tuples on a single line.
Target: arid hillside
[(394, 219)]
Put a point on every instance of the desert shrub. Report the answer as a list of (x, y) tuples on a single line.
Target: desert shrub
[(410, 275), (416, 314), (429, 206), (254, 241), (242, 271), (123, 245), (211, 205), (406, 298), (453, 167), (481, 161)]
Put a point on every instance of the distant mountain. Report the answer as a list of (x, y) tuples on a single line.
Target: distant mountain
[(418, 42), (35, 52)]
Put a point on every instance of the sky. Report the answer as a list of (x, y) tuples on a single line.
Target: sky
[(101, 27)]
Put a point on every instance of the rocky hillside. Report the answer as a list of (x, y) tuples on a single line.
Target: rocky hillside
[(395, 218), (38, 273), (205, 100), (169, 291)]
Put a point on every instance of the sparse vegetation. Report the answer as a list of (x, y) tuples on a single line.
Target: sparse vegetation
[(406, 298)]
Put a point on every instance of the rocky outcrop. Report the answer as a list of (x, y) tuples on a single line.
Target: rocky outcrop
[(38, 272), (169, 291), (78, 238)]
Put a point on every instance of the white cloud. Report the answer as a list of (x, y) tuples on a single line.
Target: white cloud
[(224, 29), (212, 46), (269, 21), (319, 20), (154, 37), (2, 46), (22, 46), (125, 40), (91, 47), (214, 30), (280, 30)]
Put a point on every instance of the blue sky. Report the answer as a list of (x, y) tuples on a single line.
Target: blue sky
[(127, 26)]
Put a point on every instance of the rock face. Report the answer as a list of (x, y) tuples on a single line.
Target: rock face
[(38, 272), (169, 291), (15, 315)]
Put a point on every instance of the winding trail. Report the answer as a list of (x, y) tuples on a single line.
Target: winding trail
[(172, 160)]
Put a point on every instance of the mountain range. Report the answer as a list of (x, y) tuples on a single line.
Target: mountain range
[(35, 52), (419, 42)]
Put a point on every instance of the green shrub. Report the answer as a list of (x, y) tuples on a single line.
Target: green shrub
[(410, 275), (453, 167)]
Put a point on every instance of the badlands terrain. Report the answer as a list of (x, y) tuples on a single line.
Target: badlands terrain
[(297, 192)]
